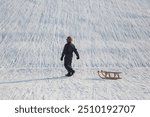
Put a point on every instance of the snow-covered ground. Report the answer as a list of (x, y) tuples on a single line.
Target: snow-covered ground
[(109, 34)]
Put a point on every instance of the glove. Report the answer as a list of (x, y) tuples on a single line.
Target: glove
[(78, 57), (61, 58)]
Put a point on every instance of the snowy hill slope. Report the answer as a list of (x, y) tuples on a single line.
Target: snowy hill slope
[(109, 34)]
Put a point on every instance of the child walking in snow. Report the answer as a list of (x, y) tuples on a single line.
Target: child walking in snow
[(67, 54)]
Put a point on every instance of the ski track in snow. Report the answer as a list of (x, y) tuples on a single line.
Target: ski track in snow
[(109, 34)]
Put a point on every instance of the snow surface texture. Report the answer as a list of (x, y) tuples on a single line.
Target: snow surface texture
[(110, 35)]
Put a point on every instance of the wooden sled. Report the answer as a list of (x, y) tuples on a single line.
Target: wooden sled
[(109, 75)]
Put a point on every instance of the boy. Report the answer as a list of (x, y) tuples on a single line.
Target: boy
[(68, 53)]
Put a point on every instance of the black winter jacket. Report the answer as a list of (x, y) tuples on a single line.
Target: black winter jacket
[(68, 51)]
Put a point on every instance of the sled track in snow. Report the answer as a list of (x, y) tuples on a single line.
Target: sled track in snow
[(109, 34)]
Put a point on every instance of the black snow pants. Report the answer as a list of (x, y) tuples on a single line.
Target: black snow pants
[(67, 64)]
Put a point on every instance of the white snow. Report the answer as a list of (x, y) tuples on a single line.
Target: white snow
[(109, 34)]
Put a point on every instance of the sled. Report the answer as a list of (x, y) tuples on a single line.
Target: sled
[(109, 75)]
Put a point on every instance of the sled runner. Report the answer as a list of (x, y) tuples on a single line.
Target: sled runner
[(109, 75)]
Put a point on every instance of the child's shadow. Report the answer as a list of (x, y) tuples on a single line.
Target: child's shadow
[(31, 80)]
